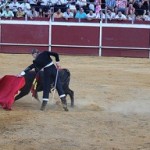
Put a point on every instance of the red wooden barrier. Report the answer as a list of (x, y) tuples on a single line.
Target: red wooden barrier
[(75, 38), (19, 38)]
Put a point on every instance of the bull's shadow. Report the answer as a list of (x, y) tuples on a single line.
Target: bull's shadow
[(29, 79)]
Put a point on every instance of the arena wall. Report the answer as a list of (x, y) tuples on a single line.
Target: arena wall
[(74, 38)]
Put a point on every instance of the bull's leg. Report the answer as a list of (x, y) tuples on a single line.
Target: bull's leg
[(36, 96), (24, 91), (64, 103), (71, 94), (21, 94)]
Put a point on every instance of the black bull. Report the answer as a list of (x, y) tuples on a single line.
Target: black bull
[(64, 75)]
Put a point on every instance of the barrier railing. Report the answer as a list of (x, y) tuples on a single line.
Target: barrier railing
[(84, 38)]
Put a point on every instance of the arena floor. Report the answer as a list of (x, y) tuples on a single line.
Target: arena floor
[(112, 107)]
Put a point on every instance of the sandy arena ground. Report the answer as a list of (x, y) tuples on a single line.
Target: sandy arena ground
[(112, 108)]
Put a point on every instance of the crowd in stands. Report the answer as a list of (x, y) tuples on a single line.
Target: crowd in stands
[(80, 9)]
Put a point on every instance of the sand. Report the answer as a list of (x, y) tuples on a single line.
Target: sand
[(112, 107)]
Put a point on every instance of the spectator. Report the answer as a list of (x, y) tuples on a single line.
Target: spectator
[(14, 6), (97, 7), (103, 5), (33, 13), (41, 13), (120, 16), (58, 14), (51, 2), (48, 14), (147, 16), (110, 15), (72, 6), (140, 18), (135, 2), (110, 4), (3, 3), (100, 15), (140, 10), (130, 9), (146, 4), (81, 3), (33, 3), (131, 16), (61, 4), (44, 2), (68, 14), (20, 13), (44, 6), (80, 14), (91, 5), (25, 6), (121, 5), (91, 15), (7, 13)]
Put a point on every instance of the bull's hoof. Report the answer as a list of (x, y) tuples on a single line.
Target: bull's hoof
[(72, 105), (65, 108), (42, 108)]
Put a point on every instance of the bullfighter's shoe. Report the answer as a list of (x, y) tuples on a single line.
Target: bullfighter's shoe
[(43, 106)]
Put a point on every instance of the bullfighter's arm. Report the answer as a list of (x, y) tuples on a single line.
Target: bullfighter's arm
[(56, 58), (27, 69)]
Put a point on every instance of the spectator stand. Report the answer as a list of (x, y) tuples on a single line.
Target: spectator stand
[(98, 37), (49, 7)]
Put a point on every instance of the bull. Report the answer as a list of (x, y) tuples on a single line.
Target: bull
[(31, 75)]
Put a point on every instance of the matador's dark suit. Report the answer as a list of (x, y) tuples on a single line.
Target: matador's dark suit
[(44, 61)]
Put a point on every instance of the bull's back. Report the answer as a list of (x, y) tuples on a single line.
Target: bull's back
[(64, 75)]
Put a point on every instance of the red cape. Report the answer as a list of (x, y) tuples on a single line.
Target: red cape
[(9, 88)]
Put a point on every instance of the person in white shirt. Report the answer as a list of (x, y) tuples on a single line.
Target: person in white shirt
[(7, 13), (32, 2), (68, 14), (120, 16), (61, 2), (52, 2), (110, 15), (44, 2), (25, 7), (91, 15), (14, 5), (81, 3), (91, 6), (147, 16), (33, 13), (100, 15), (2, 4), (121, 5), (131, 16)]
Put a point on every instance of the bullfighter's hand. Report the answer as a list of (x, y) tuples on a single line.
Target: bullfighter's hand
[(58, 66)]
